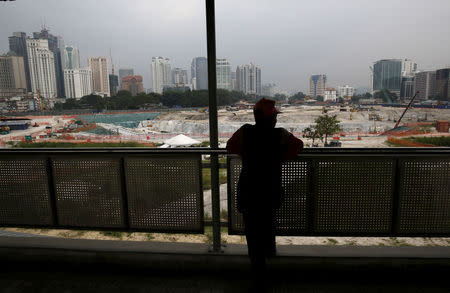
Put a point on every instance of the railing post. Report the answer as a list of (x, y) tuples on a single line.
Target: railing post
[(213, 129)]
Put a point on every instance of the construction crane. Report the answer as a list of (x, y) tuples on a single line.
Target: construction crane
[(383, 90), (407, 107)]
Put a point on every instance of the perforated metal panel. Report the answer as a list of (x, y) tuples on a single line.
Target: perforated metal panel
[(424, 205), (292, 217), (89, 192), (353, 195), (24, 192), (164, 193)]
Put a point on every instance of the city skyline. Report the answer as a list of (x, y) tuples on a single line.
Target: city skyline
[(287, 47)]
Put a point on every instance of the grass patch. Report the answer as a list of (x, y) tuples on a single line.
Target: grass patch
[(443, 141), (206, 177), (332, 241), (23, 144), (115, 234)]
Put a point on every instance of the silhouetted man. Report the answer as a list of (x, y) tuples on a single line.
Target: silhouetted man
[(262, 148)]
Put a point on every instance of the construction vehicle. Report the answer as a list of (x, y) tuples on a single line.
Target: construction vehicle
[(28, 138)]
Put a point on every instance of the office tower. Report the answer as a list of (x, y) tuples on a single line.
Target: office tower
[(248, 79), (345, 92), (124, 72), (42, 68), (161, 74), (13, 81), (100, 77), (269, 90), (179, 77), (18, 45), (56, 45), (407, 89), (317, 85), (425, 83), (133, 84), (71, 58), (441, 91), (223, 74), (113, 84), (199, 73), (233, 81), (77, 82), (388, 73)]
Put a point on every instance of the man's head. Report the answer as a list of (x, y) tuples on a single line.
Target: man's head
[(265, 113)]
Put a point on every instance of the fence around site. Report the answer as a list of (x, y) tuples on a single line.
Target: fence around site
[(354, 192)]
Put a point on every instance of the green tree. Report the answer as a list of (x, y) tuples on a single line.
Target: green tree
[(327, 125), (300, 96), (311, 133), (320, 98)]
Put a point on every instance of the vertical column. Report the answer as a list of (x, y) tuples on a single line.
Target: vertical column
[(213, 129)]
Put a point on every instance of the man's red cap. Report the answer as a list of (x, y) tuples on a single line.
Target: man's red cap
[(265, 108)]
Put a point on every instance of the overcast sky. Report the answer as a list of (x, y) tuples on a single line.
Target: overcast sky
[(290, 40)]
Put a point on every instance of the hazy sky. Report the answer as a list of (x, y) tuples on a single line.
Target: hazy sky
[(290, 40)]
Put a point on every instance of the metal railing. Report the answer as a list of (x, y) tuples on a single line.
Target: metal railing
[(351, 192)]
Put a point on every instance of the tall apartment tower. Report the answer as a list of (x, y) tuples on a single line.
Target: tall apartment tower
[(56, 45), (161, 74), (100, 76), (18, 45), (113, 84), (133, 84), (317, 85), (179, 77), (442, 90), (78, 82), (425, 83), (71, 58), (124, 72), (41, 62), (223, 74), (248, 79), (12, 73), (199, 73)]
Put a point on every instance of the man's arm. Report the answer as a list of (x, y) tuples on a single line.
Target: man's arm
[(293, 146), (234, 144)]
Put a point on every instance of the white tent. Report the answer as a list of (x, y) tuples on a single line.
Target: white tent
[(180, 140)]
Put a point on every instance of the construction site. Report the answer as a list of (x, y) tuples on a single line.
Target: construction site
[(368, 126)]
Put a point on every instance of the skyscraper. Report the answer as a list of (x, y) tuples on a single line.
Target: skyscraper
[(113, 84), (124, 72), (100, 77), (223, 74), (199, 73), (317, 85), (12, 73), (71, 58), (345, 92), (388, 73), (161, 74), (56, 45), (442, 85), (77, 82), (179, 77), (248, 79), (18, 45), (42, 68), (425, 83), (133, 84)]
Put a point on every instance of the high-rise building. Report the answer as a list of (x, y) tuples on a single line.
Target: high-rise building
[(18, 45), (407, 89), (388, 73), (248, 79), (345, 92), (133, 84), (12, 73), (41, 62), (100, 76), (56, 45), (233, 81), (71, 58), (179, 77), (77, 82), (113, 84), (161, 74), (317, 85), (223, 74), (270, 90), (425, 83), (442, 85), (124, 72), (199, 73)]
